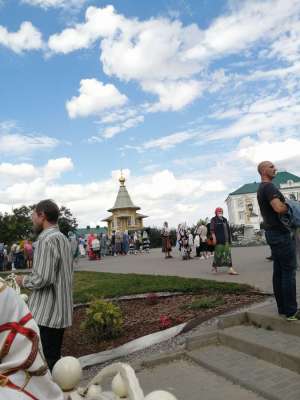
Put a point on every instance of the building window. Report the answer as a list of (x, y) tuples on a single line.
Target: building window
[(240, 203), (293, 196), (290, 182), (241, 215)]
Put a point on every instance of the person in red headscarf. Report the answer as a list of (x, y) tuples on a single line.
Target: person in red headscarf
[(221, 235)]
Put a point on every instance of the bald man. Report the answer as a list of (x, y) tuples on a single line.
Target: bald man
[(272, 204)]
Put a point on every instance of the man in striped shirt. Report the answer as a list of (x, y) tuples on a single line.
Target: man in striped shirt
[(50, 282)]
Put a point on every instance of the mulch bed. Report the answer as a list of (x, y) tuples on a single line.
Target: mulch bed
[(141, 319)]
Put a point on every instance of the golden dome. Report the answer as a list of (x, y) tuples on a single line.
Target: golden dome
[(122, 180)]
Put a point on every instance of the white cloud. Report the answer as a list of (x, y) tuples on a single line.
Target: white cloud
[(165, 142), (94, 97), (278, 114), (21, 171), (111, 131), (16, 143), (54, 168), (256, 151), (173, 95), (55, 3), (100, 22), (26, 38), (153, 192)]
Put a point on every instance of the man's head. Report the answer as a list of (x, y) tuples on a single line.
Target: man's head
[(45, 214), (219, 212), (266, 170)]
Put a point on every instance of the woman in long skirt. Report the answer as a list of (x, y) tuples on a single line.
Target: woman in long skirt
[(220, 232)]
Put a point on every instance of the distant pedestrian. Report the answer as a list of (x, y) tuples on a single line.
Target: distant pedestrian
[(125, 243), (166, 240), (222, 240), (146, 242), (81, 246), (28, 253), (272, 205), (103, 245), (50, 282), (96, 247)]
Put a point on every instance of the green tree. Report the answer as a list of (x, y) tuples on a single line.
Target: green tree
[(66, 222), (18, 225)]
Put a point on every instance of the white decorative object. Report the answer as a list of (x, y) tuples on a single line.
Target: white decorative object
[(67, 373), (11, 281), (124, 381), (24, 297), (160, 395), (118, 386), (93, 392)]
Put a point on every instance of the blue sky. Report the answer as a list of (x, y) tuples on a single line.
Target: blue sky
[(185, 96)]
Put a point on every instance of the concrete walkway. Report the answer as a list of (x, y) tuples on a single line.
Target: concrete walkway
[(250, 262)]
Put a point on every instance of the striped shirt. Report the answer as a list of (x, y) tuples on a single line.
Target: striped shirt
[(51, 280)]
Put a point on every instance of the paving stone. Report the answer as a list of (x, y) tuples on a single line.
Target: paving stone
[(189, 381), (276, 347), (266, 379)]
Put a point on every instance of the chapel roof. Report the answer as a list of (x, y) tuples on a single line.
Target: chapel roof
[(123, 199)]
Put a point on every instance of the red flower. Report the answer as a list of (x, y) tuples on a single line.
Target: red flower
[(164, 322)]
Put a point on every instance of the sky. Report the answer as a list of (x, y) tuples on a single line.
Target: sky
[(185, 96)]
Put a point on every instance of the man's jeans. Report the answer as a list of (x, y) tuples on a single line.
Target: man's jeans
[(284, 271)]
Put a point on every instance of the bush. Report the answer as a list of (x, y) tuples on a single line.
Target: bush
[(104, 319)]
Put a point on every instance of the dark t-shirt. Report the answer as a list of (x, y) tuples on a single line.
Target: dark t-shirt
[(266, 192)]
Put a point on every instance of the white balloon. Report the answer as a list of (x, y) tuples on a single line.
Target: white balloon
[(93, 392), (67, 373), (160, 395), (118, 386)]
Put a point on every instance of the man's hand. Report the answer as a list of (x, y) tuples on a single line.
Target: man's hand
[(214, 239), (19, 280)]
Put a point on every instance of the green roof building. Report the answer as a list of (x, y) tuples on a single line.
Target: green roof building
[(242, 203)]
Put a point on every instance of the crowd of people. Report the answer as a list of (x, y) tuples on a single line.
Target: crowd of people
[(210, 239), (17, 256), (97, 246)]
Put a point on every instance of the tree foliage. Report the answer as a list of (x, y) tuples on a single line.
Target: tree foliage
[(18, 225)]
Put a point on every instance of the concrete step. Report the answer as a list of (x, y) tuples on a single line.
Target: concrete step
[(272, 321), (266, 379), (275, 347)]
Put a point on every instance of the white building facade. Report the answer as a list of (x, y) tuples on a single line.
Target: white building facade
[(242, 204)]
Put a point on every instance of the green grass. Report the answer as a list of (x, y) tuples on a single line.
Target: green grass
[(88, 285), (205, 303), (96, 284)]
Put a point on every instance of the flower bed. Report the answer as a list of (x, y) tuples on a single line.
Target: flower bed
[(142, 318)]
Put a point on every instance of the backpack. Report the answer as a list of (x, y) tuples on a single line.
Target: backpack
[(95, 244)]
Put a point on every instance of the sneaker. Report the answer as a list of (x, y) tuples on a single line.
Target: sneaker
[(295, 317), (232, 271), (292, 318)]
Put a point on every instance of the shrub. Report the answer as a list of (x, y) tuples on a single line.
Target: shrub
[(152, 299), (104, 319)]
